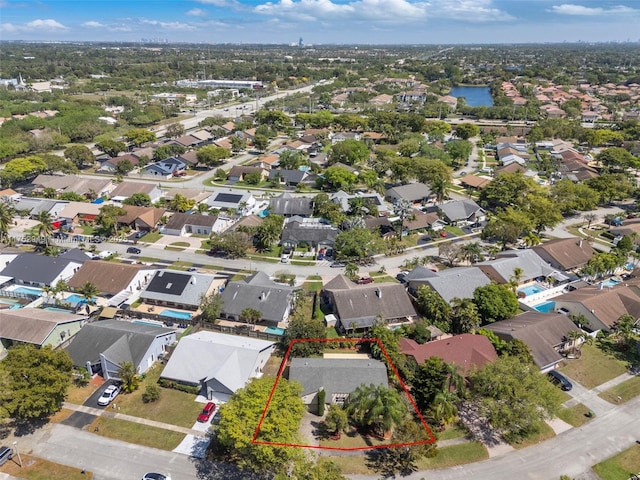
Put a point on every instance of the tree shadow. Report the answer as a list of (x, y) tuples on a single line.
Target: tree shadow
[(626, 353), (390, 463), (212, 470), (320, 431), (22, 427)]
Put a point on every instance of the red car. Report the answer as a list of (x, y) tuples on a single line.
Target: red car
[(365, 280), (206, 413)]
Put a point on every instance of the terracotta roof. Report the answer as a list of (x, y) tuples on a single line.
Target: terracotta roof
[(148, 215), (474, 181), (467, 351), (568, 253)]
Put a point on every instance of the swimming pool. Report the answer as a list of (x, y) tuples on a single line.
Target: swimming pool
[(56, 309), (75, 298), (175, 314), (151, 324), (610, 283), (546, 307), (532, 289), (13, 305), (28, 290), (263, 213), (274, 330)]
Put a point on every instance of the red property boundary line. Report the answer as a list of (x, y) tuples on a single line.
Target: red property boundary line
[(255, 440)]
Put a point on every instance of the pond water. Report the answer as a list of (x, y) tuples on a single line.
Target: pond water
[(475, 96)]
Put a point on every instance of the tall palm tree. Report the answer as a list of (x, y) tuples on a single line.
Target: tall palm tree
[(6, 219), (466, 317), (514, 281), (376, 407), (44, 228), (439, 188), (89, 291), (404, 210), (445, 407), (589, 217)]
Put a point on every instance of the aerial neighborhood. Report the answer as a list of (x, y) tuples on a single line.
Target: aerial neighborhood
[(349, 256)]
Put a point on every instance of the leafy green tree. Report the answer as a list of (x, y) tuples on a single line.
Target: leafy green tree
[(375, 407), (6, 220), (336, 420), (253, 178), (210, 308), (459, 149), (356, 243), (495, 302), (323, 207), (437, 129), (167, 151), (427, 381), (108, 217), (616, 159), (544, 212), (260, 142), (338, 178), (240, 416), (129, 377), (465, 317), (138, 136), (251, 315), (435, 308), (571, 196), (508, 225), (234, 243), (174, 130), (123, 167), (292, 159), (467, 130), (305, 328), (111, 147), (180, 203), (138, 199), (80, 155), (33, 381), (268, 232), (611, 186), (237, 143), (151, 393), (212, 155), (72, 197), (349, 152), (514, 396), (508, 190)]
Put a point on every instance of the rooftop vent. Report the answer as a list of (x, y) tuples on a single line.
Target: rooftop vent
[(169, 285)]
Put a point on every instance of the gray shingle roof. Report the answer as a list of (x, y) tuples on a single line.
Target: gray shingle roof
[(120, 341), (33, 325), (286, 204), (412, 192), (336, 376), (179, 220), (528, 260), (32, 268), (260, 293), (227, 360), (459, 209), (296, 230), (458, 282)]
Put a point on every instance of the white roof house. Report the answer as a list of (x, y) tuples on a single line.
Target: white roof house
[(219, 363)]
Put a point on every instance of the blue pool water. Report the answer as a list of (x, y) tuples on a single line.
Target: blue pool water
[(75, 298), (174, 314), (610, 283), (274, 330), (28, 290), (13, 305), (546, 307), (151, 324), (532, 289), (56, 309), (263, 213)]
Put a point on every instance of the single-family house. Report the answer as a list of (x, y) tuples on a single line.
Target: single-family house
[(546, 335), (35, 206), (468, 352), (167, 168), (565, 253), (356, 307), (37, 327), (311, 231), (232, 199), (381, 225), (423, 221), (217, 363), (374, 199), (459, 282), (293, 178), (338, 377), (110, 164), (462, 212), (238, 173), (287, 205), (474, 181), (273, 300), (9, 195), (185, 290), (102, 347), (75, 213), (144, 219), (185, 224), (88, 187), (188, 193), (126, 189), (530, 266), (39, 270), (412, 192)]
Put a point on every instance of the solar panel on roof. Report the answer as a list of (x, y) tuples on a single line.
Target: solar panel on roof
[(169, 282), (228, 197)]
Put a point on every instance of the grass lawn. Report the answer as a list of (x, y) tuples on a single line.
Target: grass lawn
[(312, 286), (174, 249), (331, 333), (35, 468), (575, 416), (60, 415), (151, 237), (384, 279), (625, 390), (87, 229), (621, 466), (149, 259), (353, 439), (273, 365), (173, 407), (273, 252), (454, 230), (593, 368), (545, 433), (78, 395), (302, 263), (180, 244), (454, 431), (455, 455), (136, 433)]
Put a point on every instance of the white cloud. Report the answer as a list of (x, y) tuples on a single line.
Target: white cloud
[(93, 24), (580, 10), (46, 25), (196, 12), (219, 3), (384, 11)]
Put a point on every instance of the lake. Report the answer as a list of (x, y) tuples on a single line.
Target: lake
[(476, 96)]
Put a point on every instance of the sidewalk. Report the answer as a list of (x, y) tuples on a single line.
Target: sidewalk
[(121, 416), (590, 398)]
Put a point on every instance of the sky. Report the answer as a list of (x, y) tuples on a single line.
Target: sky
[(322, 21)]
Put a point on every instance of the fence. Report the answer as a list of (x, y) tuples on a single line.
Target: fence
[(242, 332)]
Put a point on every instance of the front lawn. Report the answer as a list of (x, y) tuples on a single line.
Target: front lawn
[(545, 432), (137, 433), (621, 466), (353, 439), (574, 416), (151, 237), (173, 407), (34, 468), (78, 395), (593, 368), (453, 431), (625, 391)]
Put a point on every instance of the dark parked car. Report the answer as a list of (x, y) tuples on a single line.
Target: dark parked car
[(135, 250), (558, 378), (207, 411)]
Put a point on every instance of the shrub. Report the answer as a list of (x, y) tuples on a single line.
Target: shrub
[(151, 393), (193, 389), (322, 395)]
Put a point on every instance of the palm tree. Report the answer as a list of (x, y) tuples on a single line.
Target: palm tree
[(376, 407), (466, 317), (471, 252), (89, 291), (404, 210), (44, 228), (6, 219), (514, 281), (445, 407), (589, 217), (439, 188), (531, 239), (129, 376)]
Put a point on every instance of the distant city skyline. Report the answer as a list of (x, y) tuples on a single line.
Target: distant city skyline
[(322, 21)]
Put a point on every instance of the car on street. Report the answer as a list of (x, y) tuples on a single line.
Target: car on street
[(192, 269), (108, 395), (559, 379), (155, 476), (77, 238), (285, 259), (206, 412), (337, 265), (135, 250)]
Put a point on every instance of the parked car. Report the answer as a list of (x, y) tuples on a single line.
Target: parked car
[(365, 280), (402, 276), (108, 395), (206, 412), (559, 379), (60, 235), (155, 476), (285, 259), (135, 250), (192, 269), (6, 454), (337, 264), (139, 234)]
